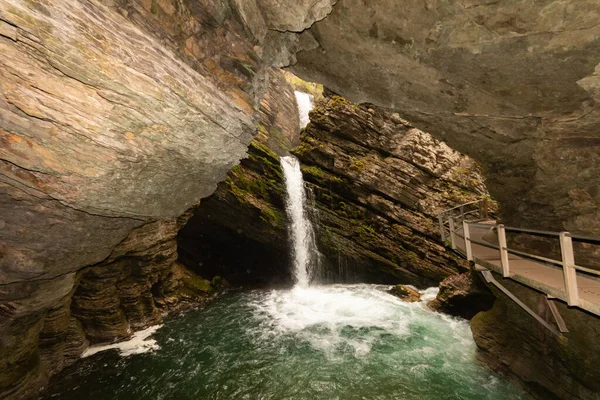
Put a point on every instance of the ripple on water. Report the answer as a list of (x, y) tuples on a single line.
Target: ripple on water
[(331, 342)]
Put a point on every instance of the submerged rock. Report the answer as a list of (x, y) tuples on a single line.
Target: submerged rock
[(405, 293), (462, 295)]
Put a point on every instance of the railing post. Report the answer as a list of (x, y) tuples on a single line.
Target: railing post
[(570, 274), (503, 250), (442, 230), (452, 230), (468, 248), (483, 208)]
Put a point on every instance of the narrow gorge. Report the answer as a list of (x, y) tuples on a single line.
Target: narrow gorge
[(230, 199)]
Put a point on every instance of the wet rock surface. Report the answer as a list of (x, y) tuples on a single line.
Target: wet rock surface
[(57, 320), (378, 184), (116, 116), (462, 295), (405, 293), (240, 232), (550, 367)]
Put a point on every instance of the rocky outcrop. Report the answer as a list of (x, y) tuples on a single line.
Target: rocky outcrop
[(513, 84), (279, 121), (116, 117), (374, 208), (462, 295), (132, 288), (117, 114), (240, 231), (378, 184), (550, 367), (405, 293), (106, 131)]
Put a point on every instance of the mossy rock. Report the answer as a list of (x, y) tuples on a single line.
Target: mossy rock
[(186, 285), (219, 283)]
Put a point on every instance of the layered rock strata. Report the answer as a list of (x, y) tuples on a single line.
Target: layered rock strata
[(240, 232), (514, 84), (116, 117), (54, 321), (378, 184), (105, 104)]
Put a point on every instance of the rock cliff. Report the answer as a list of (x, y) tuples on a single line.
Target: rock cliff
[(550, 367), (240, 231), (378, 184), (116, 116), (514, 84)]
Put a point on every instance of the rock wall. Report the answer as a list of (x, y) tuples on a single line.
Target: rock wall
[(240, 232), (116, 115), (513, 84), (97, 116), (378, 184), (550, 367), (48, 324), (115, 118)]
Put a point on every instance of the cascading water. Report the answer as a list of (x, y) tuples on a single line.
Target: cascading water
[(304, 253), (311, 342), (303, 244), (305, 104)]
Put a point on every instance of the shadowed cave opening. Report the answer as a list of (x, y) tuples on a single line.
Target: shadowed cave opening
[(209, 249)]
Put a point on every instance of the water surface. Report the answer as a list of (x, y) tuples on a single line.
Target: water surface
[(333, 342)]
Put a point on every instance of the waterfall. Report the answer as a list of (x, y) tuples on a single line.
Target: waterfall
[(305, 104), (304, 251)]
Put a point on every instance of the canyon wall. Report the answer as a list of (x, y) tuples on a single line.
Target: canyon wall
[(550, 367), (376, 185), (240, 232), (117, 116), (513, 84)]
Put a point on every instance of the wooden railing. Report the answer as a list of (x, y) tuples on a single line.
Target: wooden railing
[(477, 210), (460, 222)]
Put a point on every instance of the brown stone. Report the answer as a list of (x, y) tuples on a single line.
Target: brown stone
[(512, 341), (513, 84), (405, 293), (462, 295), (378, 185)]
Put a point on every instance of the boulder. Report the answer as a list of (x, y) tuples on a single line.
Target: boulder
[(463, 296), (405, 293)]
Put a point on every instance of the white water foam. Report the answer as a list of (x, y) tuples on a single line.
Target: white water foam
[(138, 344), (331, 317), (305, 105)]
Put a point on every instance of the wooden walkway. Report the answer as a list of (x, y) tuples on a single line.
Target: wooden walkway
[(578, 286)]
